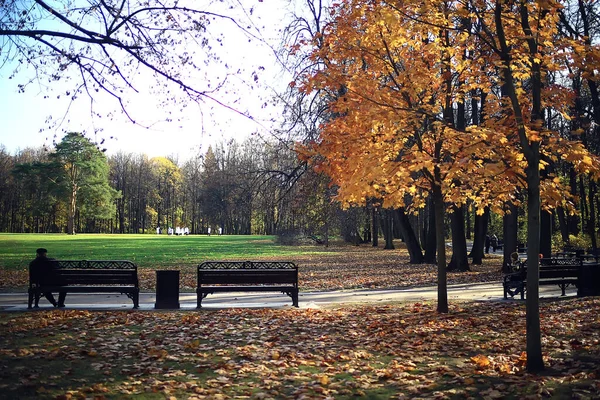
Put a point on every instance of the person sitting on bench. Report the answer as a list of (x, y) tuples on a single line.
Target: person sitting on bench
[(42, 271)]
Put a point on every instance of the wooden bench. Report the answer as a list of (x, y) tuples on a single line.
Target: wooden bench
[(95, 276), (247, 276), (552, 271)]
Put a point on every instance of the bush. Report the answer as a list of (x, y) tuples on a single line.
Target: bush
[(580, 242)]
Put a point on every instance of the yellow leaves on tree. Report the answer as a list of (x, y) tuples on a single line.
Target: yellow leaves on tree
[(393, 78)]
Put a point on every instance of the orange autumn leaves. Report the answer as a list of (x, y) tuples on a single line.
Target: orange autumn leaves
[(370, 350), (395, 75)]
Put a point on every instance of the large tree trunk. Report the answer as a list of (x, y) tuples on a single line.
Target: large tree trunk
[(480, 231), (592, 220), (459, 260), (72, 211), (388, 229), (410, 238), (546, 234), (375, 223), (430, 234), (442, 284), (535, 361), (531, 151)]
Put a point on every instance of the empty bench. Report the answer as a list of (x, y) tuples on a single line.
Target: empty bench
[(552, 271), (95, 276), (247, 276)]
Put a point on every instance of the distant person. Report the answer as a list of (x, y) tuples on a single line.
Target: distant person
[(158, 230), (494, 242), (220, 231), (42, 271), (208, 231), (487, 244)]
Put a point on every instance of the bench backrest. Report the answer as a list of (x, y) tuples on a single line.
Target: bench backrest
[(93, 272), (560, 261), (247, 272), (559, 268)]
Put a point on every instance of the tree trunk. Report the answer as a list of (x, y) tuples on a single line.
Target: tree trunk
[(592, 220), (480, 231), (546, 234), (563, 223), (375, 223), (459, 260), (535, 362), (442, 284), (388, 230), (431, 234), (408, 233), (72, 211), (531, 151)]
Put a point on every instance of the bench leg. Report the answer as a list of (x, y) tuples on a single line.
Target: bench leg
[(295, 298), (198, 299), (30, 300), (136, 300), (563, 287)]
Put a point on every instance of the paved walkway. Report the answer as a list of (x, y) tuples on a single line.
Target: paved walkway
[(475, 292)]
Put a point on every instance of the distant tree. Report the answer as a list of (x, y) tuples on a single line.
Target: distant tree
[(80, 169)]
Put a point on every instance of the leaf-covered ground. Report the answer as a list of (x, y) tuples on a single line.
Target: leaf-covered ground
[(378, 352), (343, 267)]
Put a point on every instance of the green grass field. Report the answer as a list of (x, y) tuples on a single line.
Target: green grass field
[(147, 251)]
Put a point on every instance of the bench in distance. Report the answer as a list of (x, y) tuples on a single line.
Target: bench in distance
[(247, 276), (552, 271), (94, 276)]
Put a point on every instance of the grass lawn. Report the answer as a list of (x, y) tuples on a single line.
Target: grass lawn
[(374, 352), (361, 351), (147, 251), (340, 266)]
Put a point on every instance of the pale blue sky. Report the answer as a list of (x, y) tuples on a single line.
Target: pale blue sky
[(23, 115)]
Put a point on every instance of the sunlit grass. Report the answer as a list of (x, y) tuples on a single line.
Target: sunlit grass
[(147, 251)]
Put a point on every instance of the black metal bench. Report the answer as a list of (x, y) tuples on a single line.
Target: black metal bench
[(552, 271), (95, 276), (247, 276)]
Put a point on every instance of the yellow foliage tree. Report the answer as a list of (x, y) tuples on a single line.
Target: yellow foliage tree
[(398, 71)]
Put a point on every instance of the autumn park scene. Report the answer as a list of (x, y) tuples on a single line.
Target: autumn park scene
[(159, 157)]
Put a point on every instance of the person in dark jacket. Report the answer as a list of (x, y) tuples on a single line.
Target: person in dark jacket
[(42, 272)]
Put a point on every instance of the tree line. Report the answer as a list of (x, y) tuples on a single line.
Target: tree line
[(245, 188)]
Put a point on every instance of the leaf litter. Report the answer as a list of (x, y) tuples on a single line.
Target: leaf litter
[(383, 351)]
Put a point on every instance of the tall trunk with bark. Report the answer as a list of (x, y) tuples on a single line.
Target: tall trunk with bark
[(410, 238), (479, 234), (531, 151), (388, 229), (546, 233), (375, 223), (430, 234), (459, 260), (592, 220), (442, 284)]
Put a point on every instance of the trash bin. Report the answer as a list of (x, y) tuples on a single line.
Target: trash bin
[(167, 289), (589, 280)]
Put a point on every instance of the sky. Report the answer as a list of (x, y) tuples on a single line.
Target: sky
[(25, 116)]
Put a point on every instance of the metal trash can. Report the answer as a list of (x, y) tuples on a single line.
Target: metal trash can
[(167, 289), (589, 280)]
